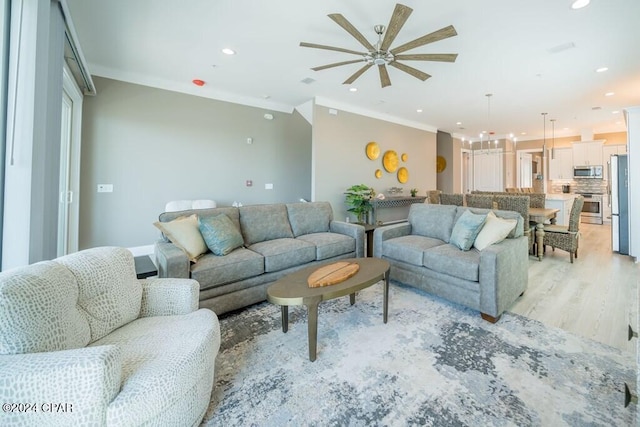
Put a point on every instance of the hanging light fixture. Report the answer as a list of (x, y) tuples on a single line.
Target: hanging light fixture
[(553, 138), (544, 134)]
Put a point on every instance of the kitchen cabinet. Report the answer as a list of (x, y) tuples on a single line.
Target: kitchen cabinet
[(563, 202), (587, 153), (562, 166)]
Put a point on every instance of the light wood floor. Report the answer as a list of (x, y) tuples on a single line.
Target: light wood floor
[(595, 297)]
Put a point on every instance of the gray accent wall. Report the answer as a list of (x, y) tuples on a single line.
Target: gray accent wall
[(155, 146), (339, 158)]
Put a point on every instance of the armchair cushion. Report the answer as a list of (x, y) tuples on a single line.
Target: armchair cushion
[(110, 294), (38, 310), (166, 297)]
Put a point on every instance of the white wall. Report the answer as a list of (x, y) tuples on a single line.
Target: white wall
[(633, 131), (339, 158), (155, 146)]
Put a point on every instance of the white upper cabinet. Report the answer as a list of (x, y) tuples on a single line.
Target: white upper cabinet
[(562, 166), (587, 153), (607, 152)]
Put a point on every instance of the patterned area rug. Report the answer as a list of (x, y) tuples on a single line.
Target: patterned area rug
[(434, 363)]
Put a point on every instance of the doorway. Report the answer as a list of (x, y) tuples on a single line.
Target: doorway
[(69, 178)]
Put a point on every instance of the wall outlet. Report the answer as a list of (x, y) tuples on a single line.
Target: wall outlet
[(249, 183), (105, 188), (268, 186)]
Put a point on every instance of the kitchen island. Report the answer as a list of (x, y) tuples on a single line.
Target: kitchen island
[(562, 202)]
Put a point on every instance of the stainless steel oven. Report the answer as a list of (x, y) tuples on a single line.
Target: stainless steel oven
[(592, 209)]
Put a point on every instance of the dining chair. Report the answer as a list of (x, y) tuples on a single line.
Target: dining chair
[(537, 200), (452, 199), (566, 237), (518, 203), (479, 201), (434, 196)]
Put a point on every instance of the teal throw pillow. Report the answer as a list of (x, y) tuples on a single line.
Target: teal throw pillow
[(466, 229), (219, 233)]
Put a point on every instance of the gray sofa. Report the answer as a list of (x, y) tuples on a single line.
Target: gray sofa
[(278, 239), (420, 255)]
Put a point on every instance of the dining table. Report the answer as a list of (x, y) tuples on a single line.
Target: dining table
[(539, 216)]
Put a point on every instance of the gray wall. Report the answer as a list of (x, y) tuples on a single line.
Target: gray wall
[(155, 146), (339, 158)]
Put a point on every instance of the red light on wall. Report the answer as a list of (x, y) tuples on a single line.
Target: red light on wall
[(198, 82)]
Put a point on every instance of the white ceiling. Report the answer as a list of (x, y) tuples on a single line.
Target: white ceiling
[(504, 46)]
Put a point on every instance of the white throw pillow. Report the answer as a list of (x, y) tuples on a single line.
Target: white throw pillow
[(184, 233), (495, 230)]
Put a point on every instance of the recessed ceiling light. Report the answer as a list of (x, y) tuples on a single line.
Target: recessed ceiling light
[(579, 4), (523, 133), (609, 94), (458, 123), (601, 69), (228, 51), (615, 112), (353, 89), (418, 111)]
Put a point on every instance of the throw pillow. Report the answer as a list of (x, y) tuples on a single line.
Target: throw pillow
[(219, 233), (466, 230), (495, 230), (185, 234)]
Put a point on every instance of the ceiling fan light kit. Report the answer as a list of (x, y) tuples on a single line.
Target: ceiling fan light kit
[(381, 55)]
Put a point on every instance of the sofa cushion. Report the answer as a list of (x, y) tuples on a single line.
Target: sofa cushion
[(518, 231), (449, 260), (212, 270), (307, 218), (219, 233), (110, 294), (39, 310), (329, 245), (284, 253), (434, 221), (409, 249), (163, 359), (495, 230), (185, 234), (466, 229), (264, 222)]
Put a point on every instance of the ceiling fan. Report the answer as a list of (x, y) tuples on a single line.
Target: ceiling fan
[(381, 55)]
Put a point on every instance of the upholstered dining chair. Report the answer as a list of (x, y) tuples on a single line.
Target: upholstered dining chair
[(451, 199), (518, 203), (484, 201), (566, 237), (537, 200)]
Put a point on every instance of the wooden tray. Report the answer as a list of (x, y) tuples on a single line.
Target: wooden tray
[(332, 274)]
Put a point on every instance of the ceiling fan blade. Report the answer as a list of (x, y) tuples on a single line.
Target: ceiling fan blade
[(357, 74), (342, 21), (384, 76), (441, 34), (336, 64), (337, 49), (400, 15), (410, 70), (438, 57)]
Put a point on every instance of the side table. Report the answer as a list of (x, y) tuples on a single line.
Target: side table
[(145, 267)]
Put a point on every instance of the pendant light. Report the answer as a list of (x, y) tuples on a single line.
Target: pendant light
[(544, 134), (553, 138)]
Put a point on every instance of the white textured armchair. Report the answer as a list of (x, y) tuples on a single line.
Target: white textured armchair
[(83, 342)]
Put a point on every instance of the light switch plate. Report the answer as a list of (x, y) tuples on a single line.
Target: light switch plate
[(105, 188)]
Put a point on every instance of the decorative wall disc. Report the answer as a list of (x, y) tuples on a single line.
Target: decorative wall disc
[(378, 173), (403, 175), (390, 161), (372, 150), (404, 157), (441, 164)]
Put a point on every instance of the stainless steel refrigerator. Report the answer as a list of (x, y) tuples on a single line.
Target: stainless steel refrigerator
[(619, 188)]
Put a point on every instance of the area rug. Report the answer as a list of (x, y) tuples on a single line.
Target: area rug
[(434, 364)]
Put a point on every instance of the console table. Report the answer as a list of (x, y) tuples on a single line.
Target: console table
[(394, 202)]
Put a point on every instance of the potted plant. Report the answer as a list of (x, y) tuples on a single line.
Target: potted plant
[(413, 192), (358, 198)]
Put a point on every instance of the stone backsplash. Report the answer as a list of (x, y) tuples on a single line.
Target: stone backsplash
[(596, 186)]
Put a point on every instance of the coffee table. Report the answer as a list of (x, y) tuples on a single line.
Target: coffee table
[(294, 290)]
